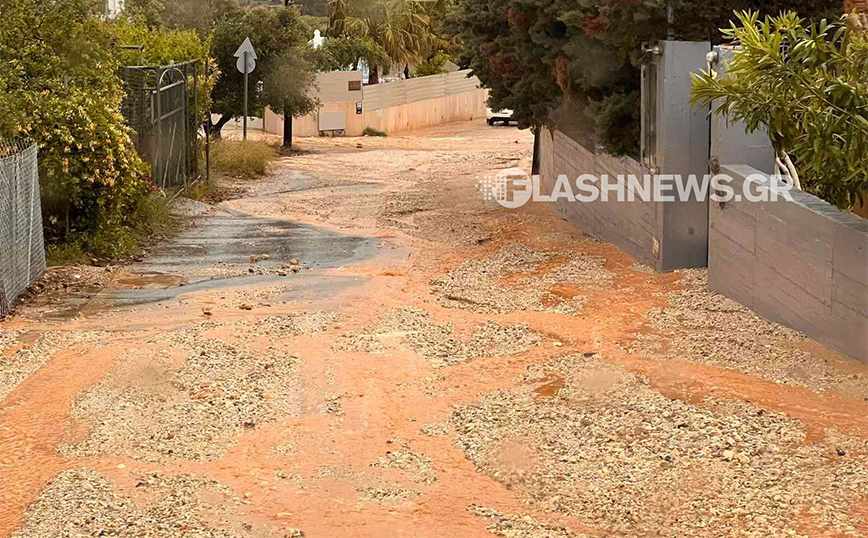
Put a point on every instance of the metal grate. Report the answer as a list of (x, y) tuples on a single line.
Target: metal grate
[(22, 250)]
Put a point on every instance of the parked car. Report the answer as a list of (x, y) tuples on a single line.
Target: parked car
[(493, 116)]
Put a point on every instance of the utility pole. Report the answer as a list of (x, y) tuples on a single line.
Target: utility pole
[(287, 117)]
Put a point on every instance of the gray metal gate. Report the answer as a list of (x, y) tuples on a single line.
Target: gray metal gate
[(161, 106)]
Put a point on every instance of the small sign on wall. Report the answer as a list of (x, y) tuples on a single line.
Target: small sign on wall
[(354, 85), (358, 107)]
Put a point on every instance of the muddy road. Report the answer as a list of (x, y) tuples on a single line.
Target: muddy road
[(361, 346)]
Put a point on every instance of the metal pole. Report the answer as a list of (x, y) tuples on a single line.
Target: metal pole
[(194, 140), (157, 173), (208, 126), (245, 95), (186, 121)]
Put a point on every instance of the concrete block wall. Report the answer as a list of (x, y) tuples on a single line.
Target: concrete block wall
[(801, 263), (631, 226), (392, 107), (394, 119)]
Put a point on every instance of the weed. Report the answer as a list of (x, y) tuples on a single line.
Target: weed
[(239, 158), (370, 131)]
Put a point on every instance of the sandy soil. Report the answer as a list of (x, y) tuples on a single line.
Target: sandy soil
[(488, 372)]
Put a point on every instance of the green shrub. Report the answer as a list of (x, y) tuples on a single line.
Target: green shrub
[(114, 239), (242, 158), (62, 90), (432, 65), (370, 131), (805, 86)]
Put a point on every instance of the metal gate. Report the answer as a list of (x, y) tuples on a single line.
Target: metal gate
[(161, 105)]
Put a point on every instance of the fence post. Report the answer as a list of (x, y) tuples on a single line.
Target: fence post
[(157, 148)]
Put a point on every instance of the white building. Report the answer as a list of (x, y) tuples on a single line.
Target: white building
[(113, 7)]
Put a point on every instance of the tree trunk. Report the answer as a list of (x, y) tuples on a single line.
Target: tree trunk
[(287, 130), (374, 77), (217, 128)]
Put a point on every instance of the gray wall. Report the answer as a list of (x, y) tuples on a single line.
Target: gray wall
[(802, 263), (629, 225), (730, 141), (682, 149)]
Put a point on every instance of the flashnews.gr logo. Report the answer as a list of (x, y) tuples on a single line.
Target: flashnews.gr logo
[(513, 188)]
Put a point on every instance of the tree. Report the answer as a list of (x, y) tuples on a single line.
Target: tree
[(288, 87), (344, 53), (538, 56), (199, 15), (805, 85), (401, 27), (273, 33), (433, 65)]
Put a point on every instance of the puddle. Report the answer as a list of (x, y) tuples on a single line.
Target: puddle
[(28, 338), (551, 388), (153, 281)]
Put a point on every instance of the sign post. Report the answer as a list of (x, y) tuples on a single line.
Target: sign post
[(246, 64)]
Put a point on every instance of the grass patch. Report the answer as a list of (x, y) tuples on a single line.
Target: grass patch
[(370, 131), (239, 158), (66, 253)]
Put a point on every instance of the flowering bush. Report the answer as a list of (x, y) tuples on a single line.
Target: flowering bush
[(62, 90)]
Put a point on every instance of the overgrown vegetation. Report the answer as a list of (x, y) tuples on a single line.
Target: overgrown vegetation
[(345, 53), (433, 65), (60, 87), (806, 86), (108, 241), (370, 131), (237, 158), (537, 56)]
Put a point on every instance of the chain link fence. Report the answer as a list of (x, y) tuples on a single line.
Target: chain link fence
[(22, 250)]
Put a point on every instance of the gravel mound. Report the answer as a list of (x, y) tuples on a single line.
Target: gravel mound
[(294, 324), (587, 439), (7, 338), (18, 366), (418, 466), (436, 342), (387, 495), (703, 326), (82, 502), (477, 285), (513, 526), (153, 406)]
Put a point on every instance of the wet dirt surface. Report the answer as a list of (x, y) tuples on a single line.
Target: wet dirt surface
[(434, 366)]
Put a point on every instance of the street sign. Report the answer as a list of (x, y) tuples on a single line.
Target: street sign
[(246, 64), (247, 47), (251, 65), (246, 50)]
